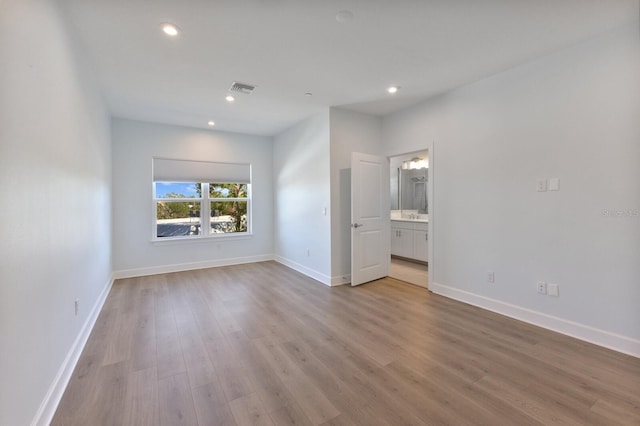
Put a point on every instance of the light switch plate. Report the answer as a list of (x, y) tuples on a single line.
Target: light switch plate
[(554, 184), (553, 290)]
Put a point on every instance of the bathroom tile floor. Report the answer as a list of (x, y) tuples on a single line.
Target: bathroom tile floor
[(411, 272)]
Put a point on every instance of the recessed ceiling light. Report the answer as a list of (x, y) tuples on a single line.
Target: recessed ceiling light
[(344, 16), (230, 98), (308, 94), (211, 123), (393, 89), (170, 29)]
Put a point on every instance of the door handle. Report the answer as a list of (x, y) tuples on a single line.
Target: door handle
[(357, 225)]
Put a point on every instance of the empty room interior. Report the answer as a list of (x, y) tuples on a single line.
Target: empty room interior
[(319, 212)]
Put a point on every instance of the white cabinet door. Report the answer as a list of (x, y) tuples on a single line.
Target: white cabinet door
[(420, 246), (395, 242), (402, 242), (406, 242)]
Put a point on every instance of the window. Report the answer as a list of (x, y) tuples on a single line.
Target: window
[(228, 207), (178, 209), (200, 199)]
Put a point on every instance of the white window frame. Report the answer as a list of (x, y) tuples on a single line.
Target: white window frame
[(205, 214)]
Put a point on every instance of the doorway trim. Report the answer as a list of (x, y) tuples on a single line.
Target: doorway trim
[(432, 210)]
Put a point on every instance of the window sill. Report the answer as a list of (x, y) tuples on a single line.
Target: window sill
[(207, 239)]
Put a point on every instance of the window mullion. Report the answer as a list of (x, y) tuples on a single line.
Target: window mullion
[(205, 210), (177, 200)]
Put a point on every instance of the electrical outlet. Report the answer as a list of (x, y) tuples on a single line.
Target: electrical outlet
[(541, 185), (542, 287), (491, 277), (553, 290), (76, 306)]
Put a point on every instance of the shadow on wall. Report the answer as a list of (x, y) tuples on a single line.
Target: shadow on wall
[(345, 218)]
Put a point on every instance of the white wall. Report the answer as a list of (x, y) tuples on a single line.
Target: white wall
[(302, 193), (135, 143), (350, 132), (55, 211), (572, 115)]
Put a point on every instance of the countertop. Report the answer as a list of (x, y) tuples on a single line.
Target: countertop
[(406, 219), (409, 216), (411, 220)]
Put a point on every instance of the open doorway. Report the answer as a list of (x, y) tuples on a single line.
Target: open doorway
[(410, 213)]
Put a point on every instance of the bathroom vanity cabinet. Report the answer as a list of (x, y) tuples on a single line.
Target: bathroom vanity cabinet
[(409, 239)]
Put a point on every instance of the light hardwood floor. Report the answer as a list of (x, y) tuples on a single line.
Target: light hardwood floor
[(262, 344)]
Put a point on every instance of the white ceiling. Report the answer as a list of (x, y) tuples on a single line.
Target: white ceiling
[(289, 47)]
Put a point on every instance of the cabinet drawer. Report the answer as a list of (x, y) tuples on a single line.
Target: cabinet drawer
[(420, 226), (401, 224)]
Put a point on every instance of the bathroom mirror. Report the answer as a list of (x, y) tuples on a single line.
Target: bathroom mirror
[(413, 190), (409, 183)]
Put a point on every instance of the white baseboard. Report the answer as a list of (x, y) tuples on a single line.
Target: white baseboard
[(589, 334), (165, 269), (341, 280), (312, 273), (49, 405)]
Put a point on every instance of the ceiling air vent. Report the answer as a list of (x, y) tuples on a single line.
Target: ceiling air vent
[(244, 88)]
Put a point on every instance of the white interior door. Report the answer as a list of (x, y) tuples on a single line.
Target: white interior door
[(370, 223)]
